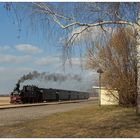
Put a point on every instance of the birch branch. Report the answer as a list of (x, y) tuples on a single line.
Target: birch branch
[(56, 15)]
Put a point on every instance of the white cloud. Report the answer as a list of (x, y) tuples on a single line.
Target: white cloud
[(81, 34), (47, 60), (75, 61), (4, 48), (27, 48), (12, 70), (14, 59), (2, 69), (56, 60), (57, 63)]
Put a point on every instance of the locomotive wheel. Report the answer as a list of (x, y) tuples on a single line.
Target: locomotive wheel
[(36, 101), (33, 100), (28, 100), (25, 100)]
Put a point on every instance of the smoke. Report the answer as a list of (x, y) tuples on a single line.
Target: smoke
[(68, 81), (56, 77)]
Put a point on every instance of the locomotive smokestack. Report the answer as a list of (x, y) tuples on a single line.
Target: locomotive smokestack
[(17, 88), (18, 85)]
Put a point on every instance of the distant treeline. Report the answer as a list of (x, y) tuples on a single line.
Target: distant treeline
[(4, 95)]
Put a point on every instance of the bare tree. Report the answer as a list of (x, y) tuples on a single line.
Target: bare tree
[(118, 61)]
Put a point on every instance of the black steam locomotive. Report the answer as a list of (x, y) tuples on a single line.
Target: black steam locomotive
[(33, 94)]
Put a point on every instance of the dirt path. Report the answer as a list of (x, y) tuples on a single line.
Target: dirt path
[(18, 115)]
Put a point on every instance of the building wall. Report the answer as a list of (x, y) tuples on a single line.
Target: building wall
[(109, 97)]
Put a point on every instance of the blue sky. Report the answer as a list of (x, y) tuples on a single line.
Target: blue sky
[(40, 49), (31, 51), (37, 48)]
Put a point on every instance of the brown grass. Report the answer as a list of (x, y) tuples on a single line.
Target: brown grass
[(89, 122), (4, 100)]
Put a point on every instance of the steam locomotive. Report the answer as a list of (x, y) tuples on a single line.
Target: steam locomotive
[(34, 94)]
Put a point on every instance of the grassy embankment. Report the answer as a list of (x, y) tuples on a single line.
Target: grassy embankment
[(93, 121)]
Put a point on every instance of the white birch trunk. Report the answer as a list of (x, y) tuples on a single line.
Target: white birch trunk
[(137, 27)]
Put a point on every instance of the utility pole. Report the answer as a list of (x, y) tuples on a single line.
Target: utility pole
[(100, 71)]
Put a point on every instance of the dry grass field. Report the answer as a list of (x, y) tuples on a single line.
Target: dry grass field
[(89, 122), (4, 100)]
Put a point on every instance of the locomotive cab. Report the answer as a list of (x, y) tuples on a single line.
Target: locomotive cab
[(31, 94)]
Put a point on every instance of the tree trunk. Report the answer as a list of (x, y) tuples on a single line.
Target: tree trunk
[(137, 27)]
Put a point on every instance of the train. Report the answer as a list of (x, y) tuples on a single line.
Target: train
[(34, 94)]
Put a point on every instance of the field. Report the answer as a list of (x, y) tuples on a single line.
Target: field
[(4, 100), (89, 122)]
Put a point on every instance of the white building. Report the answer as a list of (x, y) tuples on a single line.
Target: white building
[(106, 97)]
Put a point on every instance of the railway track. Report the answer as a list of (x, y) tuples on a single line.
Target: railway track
[(42, 104)]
